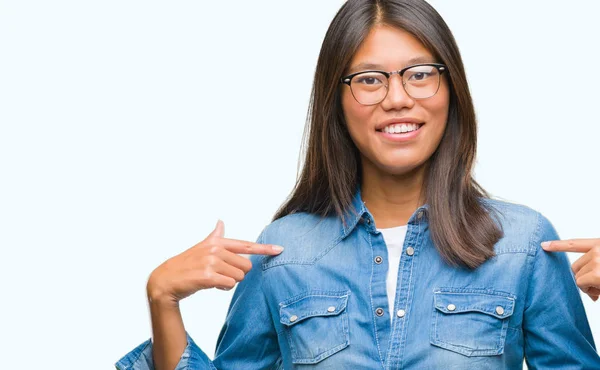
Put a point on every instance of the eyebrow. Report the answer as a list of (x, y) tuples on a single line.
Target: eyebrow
[(368, 66)]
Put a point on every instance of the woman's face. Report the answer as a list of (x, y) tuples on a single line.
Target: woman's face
[(391, 49)]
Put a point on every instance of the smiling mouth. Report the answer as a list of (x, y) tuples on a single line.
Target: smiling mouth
[(401, 128)]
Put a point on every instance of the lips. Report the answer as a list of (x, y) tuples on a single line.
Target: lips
[(399, 131), (400, 128), (403, 124)]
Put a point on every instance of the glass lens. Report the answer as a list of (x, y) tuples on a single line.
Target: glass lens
[(421, 81), (369, 87)]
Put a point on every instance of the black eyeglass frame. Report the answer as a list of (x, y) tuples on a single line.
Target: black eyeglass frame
[(439, 66)]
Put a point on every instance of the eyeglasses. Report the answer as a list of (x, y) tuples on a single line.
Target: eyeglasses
[(420, 81)]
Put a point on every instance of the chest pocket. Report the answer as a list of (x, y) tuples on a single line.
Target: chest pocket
[(316, 325), (472, 322)]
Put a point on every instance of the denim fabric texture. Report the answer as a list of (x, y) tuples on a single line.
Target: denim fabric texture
[(322, 303)]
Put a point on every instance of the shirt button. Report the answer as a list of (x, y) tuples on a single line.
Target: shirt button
[(379, 312), (420, 215), (451, 307), (500, 310), (331, 309), (378, 260), (293, 318), (410, 251), (368, 221), (400, 313)]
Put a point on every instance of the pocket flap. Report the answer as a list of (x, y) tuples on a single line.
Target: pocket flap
[(498, 304), (306, 306)]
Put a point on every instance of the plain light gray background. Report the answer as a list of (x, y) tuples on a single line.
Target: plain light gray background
[(129, 127)]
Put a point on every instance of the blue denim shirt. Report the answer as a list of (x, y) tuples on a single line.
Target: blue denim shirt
[(322, 303)]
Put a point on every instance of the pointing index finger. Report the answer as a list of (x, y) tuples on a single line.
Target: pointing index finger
[(244, 247), (571, 245)]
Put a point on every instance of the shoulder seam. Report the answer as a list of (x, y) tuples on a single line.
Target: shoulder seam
[(533, 253)]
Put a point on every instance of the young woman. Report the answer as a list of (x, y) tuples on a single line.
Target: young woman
[(394, 256)]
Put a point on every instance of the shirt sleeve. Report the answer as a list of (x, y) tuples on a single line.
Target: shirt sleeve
[(248, 339), (140, 358), (557, 334)]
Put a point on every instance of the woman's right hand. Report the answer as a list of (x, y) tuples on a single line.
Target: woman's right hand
[(212, 263)]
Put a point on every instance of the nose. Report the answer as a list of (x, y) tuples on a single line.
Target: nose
[(396, 98)]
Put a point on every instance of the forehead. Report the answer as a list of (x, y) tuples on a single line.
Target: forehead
[(391, 48)]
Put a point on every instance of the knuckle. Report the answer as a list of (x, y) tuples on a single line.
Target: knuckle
[(247, 266), (211, 260), (230, 283), (206, 275), (214, 249)]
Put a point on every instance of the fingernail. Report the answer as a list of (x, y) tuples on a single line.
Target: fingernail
[(277, 248), (545, 244)]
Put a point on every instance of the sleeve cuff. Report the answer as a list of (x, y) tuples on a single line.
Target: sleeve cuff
[(140, 358)]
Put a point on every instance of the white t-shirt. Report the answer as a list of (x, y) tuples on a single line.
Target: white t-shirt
[(394, 240)]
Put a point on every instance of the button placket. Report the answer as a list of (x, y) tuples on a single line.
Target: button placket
[(413, 239)]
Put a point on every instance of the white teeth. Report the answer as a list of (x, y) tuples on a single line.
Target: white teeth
[(400, 128)]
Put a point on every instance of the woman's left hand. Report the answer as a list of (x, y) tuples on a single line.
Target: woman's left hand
[(587, 267)]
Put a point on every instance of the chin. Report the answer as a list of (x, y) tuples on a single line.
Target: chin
[(397, 169)]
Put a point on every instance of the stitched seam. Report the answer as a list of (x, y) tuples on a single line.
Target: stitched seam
[(262, 285), (317, 293), (325, 354), (469, 348), (469, 309), (506, 251), (324, 252), (532, 264), (321, 356), (479, 291), (138, 356), (466, 351), (312, 314), (372, 305), (410, 286)]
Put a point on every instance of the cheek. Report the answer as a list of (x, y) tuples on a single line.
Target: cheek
[(356, 115), (438, 109)]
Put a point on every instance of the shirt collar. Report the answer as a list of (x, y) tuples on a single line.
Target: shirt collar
[(357, 211)]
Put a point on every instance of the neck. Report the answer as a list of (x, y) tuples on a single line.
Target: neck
[(391, 199)]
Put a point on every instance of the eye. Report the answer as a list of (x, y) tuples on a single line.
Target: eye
[(419, 76), (370, 79)]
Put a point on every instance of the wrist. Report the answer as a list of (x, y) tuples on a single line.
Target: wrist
[(159, 297)]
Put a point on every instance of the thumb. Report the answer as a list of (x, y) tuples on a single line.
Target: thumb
[(219, 230)]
